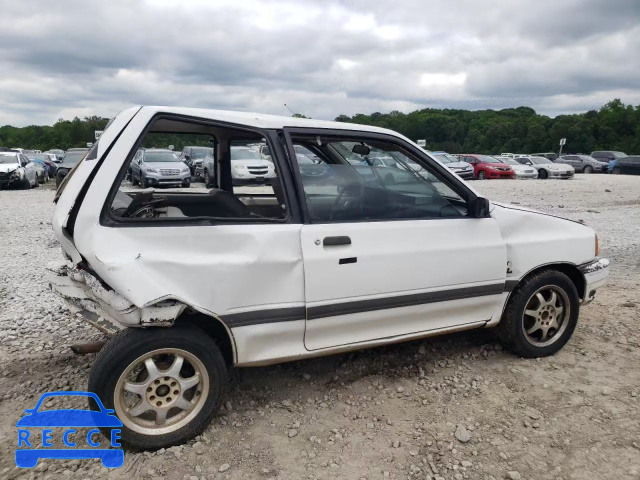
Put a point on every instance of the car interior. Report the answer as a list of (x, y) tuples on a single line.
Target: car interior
[(224, 201), (372, 180)]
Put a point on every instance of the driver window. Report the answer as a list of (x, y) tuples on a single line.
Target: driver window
[(353, 180), (222, 177)]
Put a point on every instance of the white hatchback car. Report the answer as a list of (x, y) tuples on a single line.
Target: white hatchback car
[(197, 282)]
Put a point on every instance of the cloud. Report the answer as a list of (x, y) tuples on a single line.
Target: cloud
[(73, 57)]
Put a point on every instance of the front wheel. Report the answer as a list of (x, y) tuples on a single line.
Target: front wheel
[(163, 383), (541, 315), (482, 175), (207, 179), (543, 174), (588, 169)]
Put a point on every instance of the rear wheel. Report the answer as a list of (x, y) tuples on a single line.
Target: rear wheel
[(163, 383), (541, 315), (482, 175), (588, 169), (543, 174), (616, 171)]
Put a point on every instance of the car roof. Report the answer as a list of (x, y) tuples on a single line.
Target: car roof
[(263, 120)]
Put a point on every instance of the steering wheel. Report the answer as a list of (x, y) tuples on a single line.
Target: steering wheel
[(353, 192)]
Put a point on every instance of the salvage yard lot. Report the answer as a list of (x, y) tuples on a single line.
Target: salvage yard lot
[(451, 407)]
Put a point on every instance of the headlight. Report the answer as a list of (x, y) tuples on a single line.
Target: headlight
[(151, 170), (238, 167), (16, 173), (185, 169)]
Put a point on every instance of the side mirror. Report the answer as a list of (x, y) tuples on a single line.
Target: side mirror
[(266, 151), (187, 157), (480, 207)]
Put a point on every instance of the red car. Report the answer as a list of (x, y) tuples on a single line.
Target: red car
[(485, 167)]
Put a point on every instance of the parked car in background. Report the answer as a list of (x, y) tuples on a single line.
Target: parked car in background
[(193, 156), (16, 170), (71, 158), (199, 283), (247, 167), (486, 167), (629, 165), (550, 155), (583, 163), (508, 155), (59, 154), (521, 171), (460, 168), (156, 167), (42, 169), (546, 168), (607, 155)]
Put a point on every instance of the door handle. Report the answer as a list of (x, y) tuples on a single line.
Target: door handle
[(334, 241)]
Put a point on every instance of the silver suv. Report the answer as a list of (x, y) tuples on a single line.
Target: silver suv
[(156, 167), (583, 163)]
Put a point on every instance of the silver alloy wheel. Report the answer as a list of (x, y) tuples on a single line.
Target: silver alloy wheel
[(546, 315), (152, 397)]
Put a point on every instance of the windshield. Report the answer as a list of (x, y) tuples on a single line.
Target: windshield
[(203, 152), (71, 158), (619, 154), (156, 157), (540, 160), (244, 154), (445, 157), (487, 159), (10, 159), (510, 161)]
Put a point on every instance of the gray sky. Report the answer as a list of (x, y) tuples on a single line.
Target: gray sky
[(63, 58)]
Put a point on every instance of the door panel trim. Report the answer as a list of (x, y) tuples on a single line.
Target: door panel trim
[(384, 303), (275, 315), (257, 317)]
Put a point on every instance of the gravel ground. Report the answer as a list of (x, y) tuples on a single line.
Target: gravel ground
[(454, 407)]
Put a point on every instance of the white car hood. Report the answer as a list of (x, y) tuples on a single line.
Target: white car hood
[(521, 168), (8, 167)]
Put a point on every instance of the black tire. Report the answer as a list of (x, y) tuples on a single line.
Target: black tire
[(616, 171), (127, 346), (129, 176), (511, 329), (542, 173), (26, 184), (207, 179), (482, 175), (186, 183), (134, 180), (587, 170)]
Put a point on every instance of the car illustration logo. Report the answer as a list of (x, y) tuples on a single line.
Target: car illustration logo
[(31, 448)]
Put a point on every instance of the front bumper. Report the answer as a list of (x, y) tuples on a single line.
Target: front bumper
[(159, 179), (464, 174), (527, 175), (499, 174), (595, 275), (103, 308), (553, 174)]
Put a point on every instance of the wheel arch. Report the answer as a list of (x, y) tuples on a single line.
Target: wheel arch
[(569, 269), (215, 328)]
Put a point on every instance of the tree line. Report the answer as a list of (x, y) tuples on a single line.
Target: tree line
[(615, 126)]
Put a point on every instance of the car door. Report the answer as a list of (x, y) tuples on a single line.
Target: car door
[(30, 171), (135, 166), (631, 165), (387, 260)]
